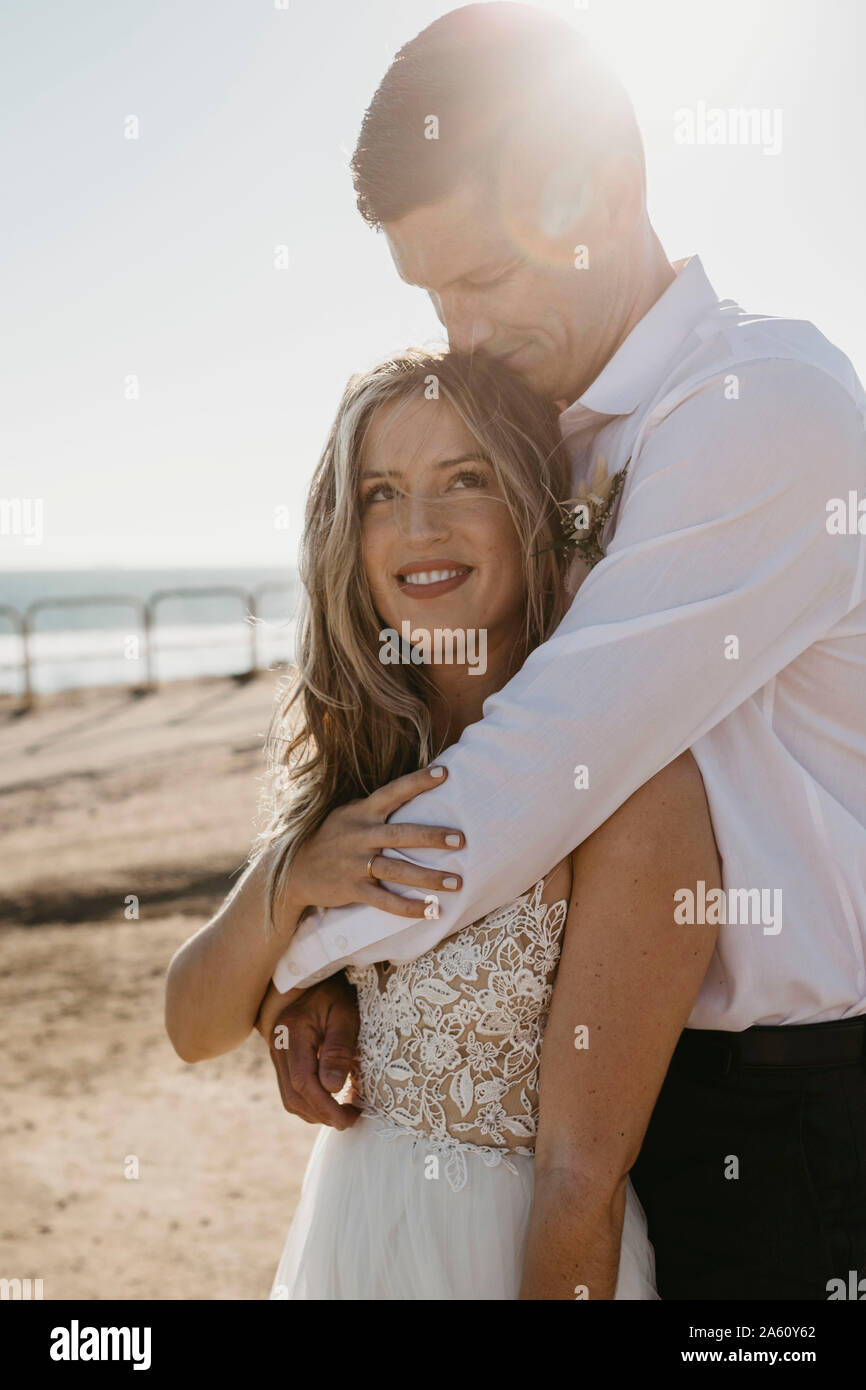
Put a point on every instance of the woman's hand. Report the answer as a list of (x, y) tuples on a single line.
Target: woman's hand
[(330, 869)]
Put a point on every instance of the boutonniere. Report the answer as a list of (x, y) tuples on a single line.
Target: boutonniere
[(585, 516)]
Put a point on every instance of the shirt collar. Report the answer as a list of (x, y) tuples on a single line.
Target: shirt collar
[(640, 363)]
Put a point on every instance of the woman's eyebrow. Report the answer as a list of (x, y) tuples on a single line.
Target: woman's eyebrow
[(441, 463), (464, 458)]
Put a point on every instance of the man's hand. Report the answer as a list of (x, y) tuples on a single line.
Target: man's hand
[(312, 1043)]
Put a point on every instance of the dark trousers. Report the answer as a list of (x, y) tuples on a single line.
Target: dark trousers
[(753, 1170)]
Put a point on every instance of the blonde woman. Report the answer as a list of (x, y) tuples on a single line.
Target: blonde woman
[(479, 1162)]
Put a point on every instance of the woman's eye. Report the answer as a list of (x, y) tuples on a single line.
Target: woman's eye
[(382, 492), (469, 480)]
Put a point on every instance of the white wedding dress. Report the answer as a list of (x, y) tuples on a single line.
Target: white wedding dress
[(428, 1195)]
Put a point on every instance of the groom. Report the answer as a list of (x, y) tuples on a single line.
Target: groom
[(728, 616)]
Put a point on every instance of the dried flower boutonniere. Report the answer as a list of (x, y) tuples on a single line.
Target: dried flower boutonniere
[(585, 516)]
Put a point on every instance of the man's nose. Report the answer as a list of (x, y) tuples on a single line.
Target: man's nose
[(467, 327)]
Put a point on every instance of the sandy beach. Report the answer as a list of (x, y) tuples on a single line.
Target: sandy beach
[(105, 796)]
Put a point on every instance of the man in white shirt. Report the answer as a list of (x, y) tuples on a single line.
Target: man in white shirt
[(728, 616)]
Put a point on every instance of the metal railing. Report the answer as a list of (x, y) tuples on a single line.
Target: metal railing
[(146, 612)]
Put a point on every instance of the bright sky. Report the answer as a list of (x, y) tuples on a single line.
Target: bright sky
[(155, 257)]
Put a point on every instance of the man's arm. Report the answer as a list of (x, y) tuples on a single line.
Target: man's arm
[(722, 534)]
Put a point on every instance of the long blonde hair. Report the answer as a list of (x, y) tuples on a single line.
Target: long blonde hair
[(344, 723)]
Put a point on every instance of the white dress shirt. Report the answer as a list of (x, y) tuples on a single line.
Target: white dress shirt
[(741, 429)]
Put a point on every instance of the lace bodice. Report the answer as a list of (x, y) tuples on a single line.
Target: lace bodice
[(450, 1044)]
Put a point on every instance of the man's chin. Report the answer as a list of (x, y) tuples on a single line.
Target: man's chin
[(543, 382), (527, 369), (540, 374)]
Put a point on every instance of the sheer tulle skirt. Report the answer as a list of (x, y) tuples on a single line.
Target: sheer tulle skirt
[(378, 1219)]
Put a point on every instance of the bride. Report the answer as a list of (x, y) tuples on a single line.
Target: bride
[(497, 1119)]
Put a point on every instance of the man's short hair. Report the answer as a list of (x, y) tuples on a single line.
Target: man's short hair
[(484, 72)]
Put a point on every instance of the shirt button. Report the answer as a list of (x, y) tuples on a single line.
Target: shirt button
[(340, 942), (291, 965)]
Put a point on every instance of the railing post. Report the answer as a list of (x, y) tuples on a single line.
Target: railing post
[(18, 622), (29, 695), (254, 634), (149, 680)]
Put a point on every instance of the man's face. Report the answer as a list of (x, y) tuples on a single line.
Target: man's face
[(501, 284)]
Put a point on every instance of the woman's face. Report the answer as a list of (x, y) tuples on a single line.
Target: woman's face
[(438, 544)]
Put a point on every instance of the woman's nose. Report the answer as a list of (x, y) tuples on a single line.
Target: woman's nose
[(420, 516)]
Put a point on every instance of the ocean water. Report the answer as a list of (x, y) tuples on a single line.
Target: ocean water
[(87, 626)]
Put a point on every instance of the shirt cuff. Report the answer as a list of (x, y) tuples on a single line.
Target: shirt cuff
[(306, 960)]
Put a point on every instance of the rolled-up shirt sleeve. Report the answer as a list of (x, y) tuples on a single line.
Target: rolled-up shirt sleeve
[(721, 571)]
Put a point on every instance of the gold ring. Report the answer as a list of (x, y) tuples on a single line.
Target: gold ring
[(370, 873)]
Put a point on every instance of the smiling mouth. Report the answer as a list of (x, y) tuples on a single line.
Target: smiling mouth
[(428, 583)]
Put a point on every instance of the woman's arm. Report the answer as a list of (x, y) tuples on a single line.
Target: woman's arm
[(629, 975), (217, 980)]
